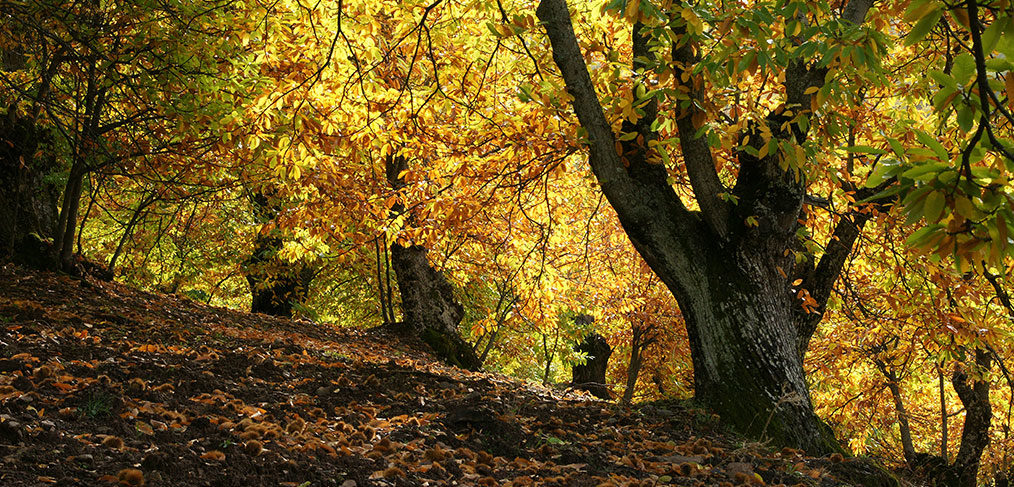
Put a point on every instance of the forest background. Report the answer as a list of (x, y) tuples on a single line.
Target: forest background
[(314, 159)]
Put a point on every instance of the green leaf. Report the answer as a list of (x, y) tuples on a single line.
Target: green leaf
[(883, 194), (865, 149), (898, 149), (934, 144), (934, 206), (991, 36), (615, 5), (942, 97), (963, 68), (746, 61), (920, 237), (525, 94), (919, 9), (882, 172), (921, 171), (923, 27), (966, 117), (913, 203), (944, 79)]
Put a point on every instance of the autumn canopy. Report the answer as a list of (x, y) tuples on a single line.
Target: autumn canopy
[(796, 214)]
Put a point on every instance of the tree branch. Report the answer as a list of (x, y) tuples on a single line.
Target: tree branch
[(625, 193), (820, 279), (697, 155), (767, 192)]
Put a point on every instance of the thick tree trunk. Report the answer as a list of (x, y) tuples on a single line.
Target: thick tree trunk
[(974, 395), (429, 306), (28, 204), (28, 208), (276, 285), (591, 375), (730, 267), (742, 341)]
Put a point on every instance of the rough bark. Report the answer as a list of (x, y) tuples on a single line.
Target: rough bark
[(276, 285), (742, 343), (429, 306), (591, 375), (974, 395), (28, 208), (729, 278)]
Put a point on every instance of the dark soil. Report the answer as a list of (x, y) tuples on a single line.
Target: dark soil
[(97, 379)]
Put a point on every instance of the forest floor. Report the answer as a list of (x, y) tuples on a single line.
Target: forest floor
[(101, 384)]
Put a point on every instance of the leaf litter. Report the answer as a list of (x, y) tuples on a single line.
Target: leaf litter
[(102, 384)]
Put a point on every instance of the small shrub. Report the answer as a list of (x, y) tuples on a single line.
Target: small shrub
[(97, 405)]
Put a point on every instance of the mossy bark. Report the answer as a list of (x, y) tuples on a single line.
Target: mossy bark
[(276, 285), (742, 337), (591, 375), (429, 306), (28, 202), (450, 348)]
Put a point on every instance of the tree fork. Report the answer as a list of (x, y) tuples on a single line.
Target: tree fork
[(726, 277)]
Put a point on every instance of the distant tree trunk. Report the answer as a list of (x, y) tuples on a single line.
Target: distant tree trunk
[(383, 292), (548, 354), (633, 370), (640, 339), (907, 447), (428, 305), (591, 375), (943, 414), (28, 210), (504, 304), (974, 395), (275, 284), (128, 231), (659, 385)]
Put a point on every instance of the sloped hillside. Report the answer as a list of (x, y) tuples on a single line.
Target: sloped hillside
[(104, 385)]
